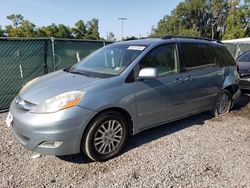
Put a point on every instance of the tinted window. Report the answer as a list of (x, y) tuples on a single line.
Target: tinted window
[(197, 55), (223, 56), (164, 58), (245, 57)]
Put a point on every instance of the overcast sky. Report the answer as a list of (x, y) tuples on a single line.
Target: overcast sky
[(141, 14)]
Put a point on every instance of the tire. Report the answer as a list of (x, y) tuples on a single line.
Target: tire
[(105, 137), (223, 103)]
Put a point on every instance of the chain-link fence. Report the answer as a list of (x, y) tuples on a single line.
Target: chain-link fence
[(23, 59)]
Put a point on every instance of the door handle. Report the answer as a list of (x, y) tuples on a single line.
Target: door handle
[(179, 81), (189, 78)]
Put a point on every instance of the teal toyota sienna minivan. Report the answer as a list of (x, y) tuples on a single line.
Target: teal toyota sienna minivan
[(121, 90)]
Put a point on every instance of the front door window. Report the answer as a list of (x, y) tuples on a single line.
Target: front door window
[(164, 58)]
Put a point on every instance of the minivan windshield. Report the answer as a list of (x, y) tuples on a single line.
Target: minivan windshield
[(108, 61)]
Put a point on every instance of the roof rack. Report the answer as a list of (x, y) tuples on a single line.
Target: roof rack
[(184, 37)]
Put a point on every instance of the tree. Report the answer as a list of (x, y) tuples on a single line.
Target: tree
[(16, 19), (79, 31), (184, 19), (1, 32), (207, 18), (57, 31), (92, 30), (25, 29), (218, 14), (245, 8), (28, 29), (20, 27), (48, 31), (235, 26), (44, 32), (63, 32)]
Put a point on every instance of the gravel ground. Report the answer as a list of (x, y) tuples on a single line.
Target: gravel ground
[(199, 151)]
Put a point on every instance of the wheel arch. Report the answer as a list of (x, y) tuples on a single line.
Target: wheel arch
[(122, 111), (232, 89), (86, 135)]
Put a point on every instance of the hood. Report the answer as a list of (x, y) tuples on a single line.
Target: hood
[(244, 68), (55, 83)]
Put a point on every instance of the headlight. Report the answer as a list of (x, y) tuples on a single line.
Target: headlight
[(59, 102), (28, 84)]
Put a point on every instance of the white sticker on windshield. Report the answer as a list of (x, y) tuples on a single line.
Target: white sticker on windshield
[(140, 48)]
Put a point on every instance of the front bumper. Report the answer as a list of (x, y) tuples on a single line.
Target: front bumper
[(66, 126)]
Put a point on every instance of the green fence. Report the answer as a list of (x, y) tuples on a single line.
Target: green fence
[(23, 59)]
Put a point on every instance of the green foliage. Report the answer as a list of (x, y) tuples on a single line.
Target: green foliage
[(47, 31), (206, 18), (80, 30), (24, 28), (191, 17), (64, 32), (28, 29), (16, 19), (20, 27), (1, 32), (92, 30), (87, 31), (56, 31), (235, 22), (246, 17)]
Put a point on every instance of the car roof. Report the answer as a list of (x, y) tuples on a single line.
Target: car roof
[(141, 41), (151, 41)]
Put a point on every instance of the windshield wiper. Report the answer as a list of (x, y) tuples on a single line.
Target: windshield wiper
[(89, 74), (81, 73), (66, 69)]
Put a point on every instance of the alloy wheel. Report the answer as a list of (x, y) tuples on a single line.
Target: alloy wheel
[(108, 137), (223, 105)]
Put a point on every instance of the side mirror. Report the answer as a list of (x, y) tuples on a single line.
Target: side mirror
[(148, 73)]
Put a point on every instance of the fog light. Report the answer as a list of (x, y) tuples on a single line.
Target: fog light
[(50, 144)]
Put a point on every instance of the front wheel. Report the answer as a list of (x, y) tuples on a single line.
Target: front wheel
[(106, 136), (223, 103)]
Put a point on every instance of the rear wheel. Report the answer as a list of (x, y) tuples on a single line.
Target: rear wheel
[(106, 136), (223, 103)]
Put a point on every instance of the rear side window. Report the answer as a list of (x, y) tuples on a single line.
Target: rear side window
[(223, 56), (197, 55)]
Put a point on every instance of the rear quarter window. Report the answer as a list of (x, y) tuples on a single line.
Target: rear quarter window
[(223, 56)]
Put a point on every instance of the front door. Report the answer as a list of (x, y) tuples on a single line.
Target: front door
[(160, 100)]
